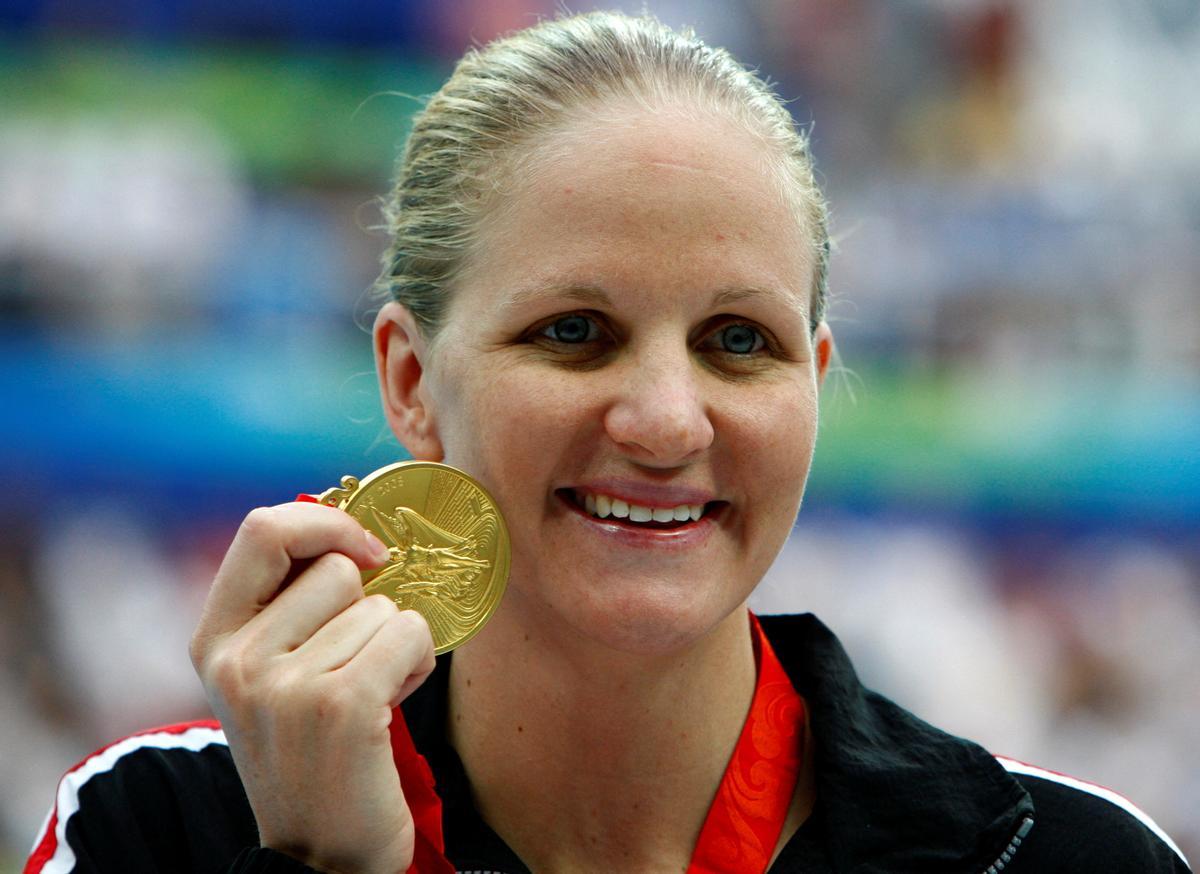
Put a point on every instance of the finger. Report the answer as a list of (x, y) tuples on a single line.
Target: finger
[(341, 638), (261, 555), (395, 661), (326, 588)]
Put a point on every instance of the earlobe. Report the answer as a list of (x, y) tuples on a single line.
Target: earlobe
[(400, 359), (823, 349)]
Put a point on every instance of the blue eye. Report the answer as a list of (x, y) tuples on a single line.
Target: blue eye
[(740, 339), (572, 329)]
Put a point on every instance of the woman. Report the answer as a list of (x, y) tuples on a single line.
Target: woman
[(606, 296)]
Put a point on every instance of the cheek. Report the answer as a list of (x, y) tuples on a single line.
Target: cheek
[(770, 451), (770, 433), (792, 436), (514, 426), (792, 433)]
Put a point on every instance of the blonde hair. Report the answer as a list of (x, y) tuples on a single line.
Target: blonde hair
[(510, 93)]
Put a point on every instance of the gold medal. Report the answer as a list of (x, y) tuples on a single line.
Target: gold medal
[(449, 544)]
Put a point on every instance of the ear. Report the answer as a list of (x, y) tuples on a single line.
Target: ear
[(823, 347), (401, 355)]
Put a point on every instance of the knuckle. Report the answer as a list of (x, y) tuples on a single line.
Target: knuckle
[(340, 565), (409, 625), (290, 681), (260, 524), (330, 702), (334, 699), (343, 576), (381, 606), (290, 688), (347, 527), (411, 621), (428, 660), (346, 520), (197, 650), (225, 671)]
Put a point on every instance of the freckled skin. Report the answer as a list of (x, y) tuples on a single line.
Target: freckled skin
[(637, 208)]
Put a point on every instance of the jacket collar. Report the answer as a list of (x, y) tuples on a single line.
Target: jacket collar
[(893, 792)]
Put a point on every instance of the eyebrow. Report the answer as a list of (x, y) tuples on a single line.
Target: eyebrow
[(727, 296), (584, 294), (592, 295)]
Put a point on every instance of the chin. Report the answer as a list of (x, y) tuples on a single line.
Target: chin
[(647, 620)]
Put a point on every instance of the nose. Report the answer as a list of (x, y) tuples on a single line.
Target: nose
[(659, 416)]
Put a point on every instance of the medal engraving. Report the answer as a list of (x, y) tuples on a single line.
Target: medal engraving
[(449, 544)]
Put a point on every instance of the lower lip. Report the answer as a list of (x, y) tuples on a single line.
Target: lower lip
[(685, 536)]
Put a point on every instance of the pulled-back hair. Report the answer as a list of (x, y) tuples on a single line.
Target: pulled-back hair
[(503, 98)]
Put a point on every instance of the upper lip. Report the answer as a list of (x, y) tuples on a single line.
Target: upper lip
[(646, 494)]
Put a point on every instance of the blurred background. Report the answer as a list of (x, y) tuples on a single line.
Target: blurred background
[(1003, 516)]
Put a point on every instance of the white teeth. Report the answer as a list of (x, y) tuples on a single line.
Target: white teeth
[(640, 514), (604, 506)]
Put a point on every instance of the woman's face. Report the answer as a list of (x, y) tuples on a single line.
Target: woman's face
[(631, 338)]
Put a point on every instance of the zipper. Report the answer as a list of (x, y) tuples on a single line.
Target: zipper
[(1009, 851)]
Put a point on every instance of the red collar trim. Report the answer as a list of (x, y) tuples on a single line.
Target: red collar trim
[(746, 817)]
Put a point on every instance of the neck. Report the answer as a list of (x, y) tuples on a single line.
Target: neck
[(582, 757)]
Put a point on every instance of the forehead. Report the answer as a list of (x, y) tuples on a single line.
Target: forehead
[(629, 196)]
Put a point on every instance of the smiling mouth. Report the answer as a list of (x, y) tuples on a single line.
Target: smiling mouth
[(624, 513)]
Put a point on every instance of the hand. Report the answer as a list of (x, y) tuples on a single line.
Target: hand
[(303, 671)]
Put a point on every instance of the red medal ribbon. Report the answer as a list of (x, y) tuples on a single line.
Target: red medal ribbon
[(429, 849), (746, 817)]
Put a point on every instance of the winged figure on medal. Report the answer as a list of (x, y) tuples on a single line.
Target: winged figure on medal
[(426, 558)]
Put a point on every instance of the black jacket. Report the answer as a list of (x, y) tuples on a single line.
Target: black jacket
[(893, 795)]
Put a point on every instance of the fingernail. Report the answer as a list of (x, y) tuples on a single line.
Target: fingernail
[(379, 551)]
